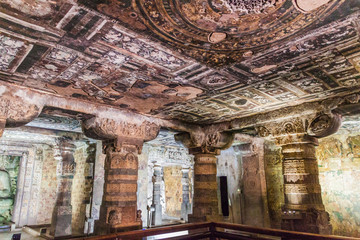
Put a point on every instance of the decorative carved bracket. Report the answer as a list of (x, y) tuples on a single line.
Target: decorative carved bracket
[(210, 140), (15, 111)]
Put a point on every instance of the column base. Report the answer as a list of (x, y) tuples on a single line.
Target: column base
[(311, 221), (61, 223)]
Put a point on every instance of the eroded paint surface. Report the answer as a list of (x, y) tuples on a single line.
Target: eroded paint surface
[(339, 162), (197, 61)]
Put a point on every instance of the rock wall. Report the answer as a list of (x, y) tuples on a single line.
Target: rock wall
[(339, 168), (228, 164)]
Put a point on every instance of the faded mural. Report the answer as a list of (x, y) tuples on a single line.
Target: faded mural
[(339, 170), (173, 190)]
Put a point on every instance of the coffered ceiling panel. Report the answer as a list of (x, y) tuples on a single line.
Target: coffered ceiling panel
[(197, 61)]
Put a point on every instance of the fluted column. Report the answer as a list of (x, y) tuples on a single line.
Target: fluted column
[(185, 204), (62, 214), (156, 204)]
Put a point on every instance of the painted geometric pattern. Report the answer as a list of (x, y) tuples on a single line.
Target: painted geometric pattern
[(9, 47), (84, 54)]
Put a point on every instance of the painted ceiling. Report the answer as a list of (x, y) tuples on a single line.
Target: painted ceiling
[(194, 60)]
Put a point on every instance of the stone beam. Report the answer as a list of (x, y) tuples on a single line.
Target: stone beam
[(305, 109), (24, 96)]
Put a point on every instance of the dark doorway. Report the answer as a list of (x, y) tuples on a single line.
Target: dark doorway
[(224, 196)]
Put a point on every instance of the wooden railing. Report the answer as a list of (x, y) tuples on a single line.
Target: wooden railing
[(214, 231)]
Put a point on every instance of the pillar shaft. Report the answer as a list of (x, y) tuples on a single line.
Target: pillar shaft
[(62, 214), (205, 201), (118, 211), (304, 210), (157, 178), (185, 204)]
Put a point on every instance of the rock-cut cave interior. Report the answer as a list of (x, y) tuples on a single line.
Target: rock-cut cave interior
[(167, 117)]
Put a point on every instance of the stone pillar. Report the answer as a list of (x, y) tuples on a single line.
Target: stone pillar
[(156, 204), (303, 210), (205, 201), (62, 214), (185, 204), (205, 146), (118, 211)]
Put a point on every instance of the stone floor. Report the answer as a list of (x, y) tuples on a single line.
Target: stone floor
[(24, 236)]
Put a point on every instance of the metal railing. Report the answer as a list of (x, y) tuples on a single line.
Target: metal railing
[(215, 231)]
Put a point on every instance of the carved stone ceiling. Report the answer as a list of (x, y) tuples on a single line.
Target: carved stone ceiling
[(165, 138), (194, 60)]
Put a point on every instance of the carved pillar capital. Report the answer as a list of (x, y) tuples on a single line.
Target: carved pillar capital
[(208, 141), (313, 126), (116, 133)]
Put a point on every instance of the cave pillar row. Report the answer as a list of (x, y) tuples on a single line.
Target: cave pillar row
[(205, 146), (62, 213), (303, 209), (122, 143)]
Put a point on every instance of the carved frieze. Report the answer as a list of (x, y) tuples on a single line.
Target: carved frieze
[(105, 128), (170, 155)]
